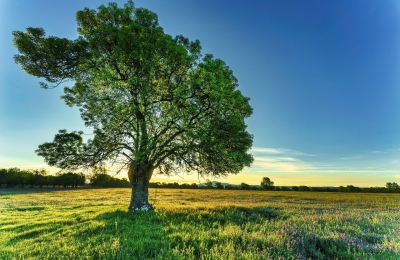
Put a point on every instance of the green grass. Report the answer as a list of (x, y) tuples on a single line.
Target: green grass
[(198, 224)]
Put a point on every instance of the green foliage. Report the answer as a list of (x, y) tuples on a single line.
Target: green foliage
[(153, 100), (244, 186), (14, 177), (199, 224), (219, 186), (392, 187), (64, 151), (266, 184), (209, 184), (174, 185), (105, 180), (304, 188), (71, 179)]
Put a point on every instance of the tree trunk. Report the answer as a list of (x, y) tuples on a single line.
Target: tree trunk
[(139, 177)]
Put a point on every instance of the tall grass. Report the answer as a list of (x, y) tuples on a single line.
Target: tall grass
[(198, 224)]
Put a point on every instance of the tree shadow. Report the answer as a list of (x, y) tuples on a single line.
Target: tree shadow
[(174, 234), (309, 245), (224, 215), (140, 235), (158, 234), (168, 234)]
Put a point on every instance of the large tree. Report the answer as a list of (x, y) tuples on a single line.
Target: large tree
[(153, 101)]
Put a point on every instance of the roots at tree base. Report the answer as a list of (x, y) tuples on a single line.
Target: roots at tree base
[(147, 207)]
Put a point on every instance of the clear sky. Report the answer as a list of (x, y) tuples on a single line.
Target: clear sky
[(323, 79)]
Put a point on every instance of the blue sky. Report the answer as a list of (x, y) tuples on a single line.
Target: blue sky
[(323, 79)]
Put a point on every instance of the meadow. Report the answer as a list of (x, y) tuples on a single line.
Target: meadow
[(198, 224)]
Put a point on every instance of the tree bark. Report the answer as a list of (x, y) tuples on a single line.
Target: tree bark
[(139, 177)]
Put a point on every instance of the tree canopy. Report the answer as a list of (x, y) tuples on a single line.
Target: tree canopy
[(154, 102), (266, 184)]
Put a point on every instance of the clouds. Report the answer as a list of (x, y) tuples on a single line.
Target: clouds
[(279, 159), (285, 164), (386, 151), (278, 151), (293, 161), (352, 157)]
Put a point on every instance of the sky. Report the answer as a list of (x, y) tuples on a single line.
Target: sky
[(322, 77)]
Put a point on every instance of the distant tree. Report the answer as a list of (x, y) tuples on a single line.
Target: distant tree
[(3, 177), (70, 179), (351, 188), (219, 186), (100, 180), (229, 187), (104, 180), (392, 187), (154, 184), (184, 186), (15, 176), (304, 188), (266, 184), (39, 178), (209, 184), (244, 186), (284, 188), (277, 188), (295, 188), (154, 102)]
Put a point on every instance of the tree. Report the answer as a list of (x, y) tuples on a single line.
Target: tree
[(231, 187), (39, 177), (304, 188), (154, 102), (267, 184), (392, 187), (350, 188), (219, 186), (209, 184), (244, 186)]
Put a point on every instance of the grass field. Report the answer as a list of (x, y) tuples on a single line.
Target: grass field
[(198, 224)]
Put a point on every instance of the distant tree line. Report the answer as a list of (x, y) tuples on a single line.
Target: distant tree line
[(267, 184), (15, 177), (173, 185), (243, 186), (391, 187)]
